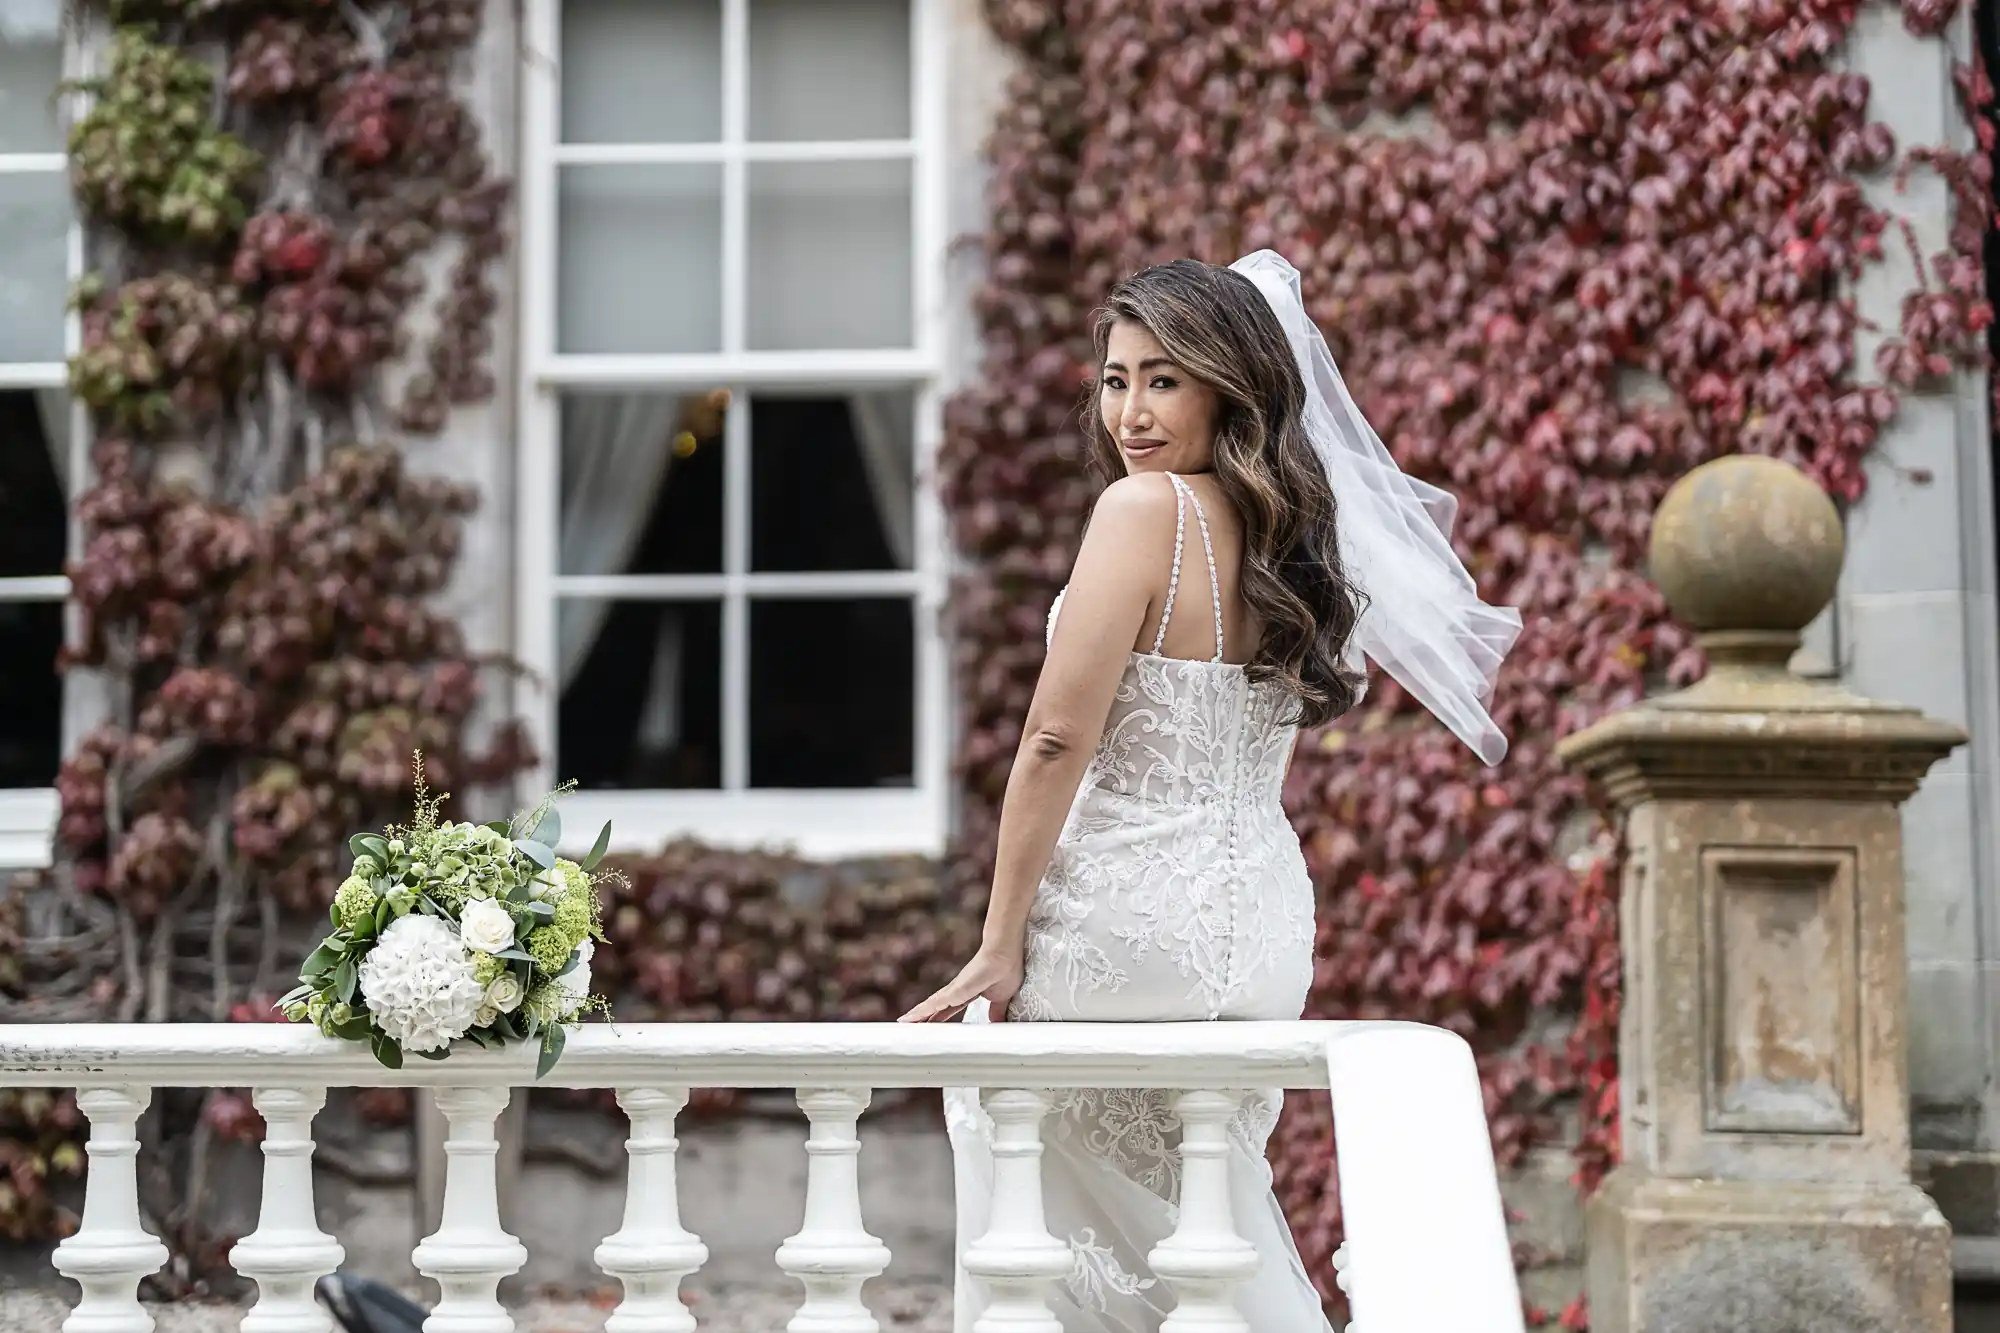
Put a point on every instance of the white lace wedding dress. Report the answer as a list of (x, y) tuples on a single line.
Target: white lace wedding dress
[(1176, 892)]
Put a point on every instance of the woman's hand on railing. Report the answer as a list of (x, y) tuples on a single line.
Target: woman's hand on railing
[(992, 975)]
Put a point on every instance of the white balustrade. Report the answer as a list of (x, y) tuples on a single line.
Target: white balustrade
[(287, 1253), (110, 1252), (1417, 1183), (652, 1252), (833, 1254), (469, 1253), (1205, 1260), (1016, 1259)]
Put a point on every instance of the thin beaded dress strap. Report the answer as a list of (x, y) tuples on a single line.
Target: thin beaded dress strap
[(1173, 579), (1207, 549)]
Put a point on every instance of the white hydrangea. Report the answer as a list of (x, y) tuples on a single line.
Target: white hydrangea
[(419, 984)]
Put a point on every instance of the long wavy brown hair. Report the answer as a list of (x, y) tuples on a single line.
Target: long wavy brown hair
[(1218, 328)]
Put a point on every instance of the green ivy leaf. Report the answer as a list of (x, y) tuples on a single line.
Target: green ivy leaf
[(597, 849)]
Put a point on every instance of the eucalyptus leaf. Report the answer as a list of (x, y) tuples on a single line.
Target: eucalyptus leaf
[(516, 955), (385, 912), (357, 1028), (597, 849), (542, 911), (501, 827), (548, 829), (333, 914), (295, 994), (552, 1049), (345, 980), (387, 1053), (317, 962), (358, 845), (575, 959), (537, 853)]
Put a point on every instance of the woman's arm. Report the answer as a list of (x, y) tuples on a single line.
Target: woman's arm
[(1120, 575)]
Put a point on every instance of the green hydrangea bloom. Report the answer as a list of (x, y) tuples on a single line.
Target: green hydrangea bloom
[(550, 949), (549, 1002), (355, 901), (576, 914)]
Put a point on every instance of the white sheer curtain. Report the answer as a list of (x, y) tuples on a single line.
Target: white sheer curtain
[(883, 426), (617, 449), (52, 406)]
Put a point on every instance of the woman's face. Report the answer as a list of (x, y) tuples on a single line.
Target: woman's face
[(1162, 418)]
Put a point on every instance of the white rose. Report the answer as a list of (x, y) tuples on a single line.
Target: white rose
[(486, 926), (546, 885), (485, 1015), (505, 993)]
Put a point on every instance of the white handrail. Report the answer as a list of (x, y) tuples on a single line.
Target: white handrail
[(700, 1055)]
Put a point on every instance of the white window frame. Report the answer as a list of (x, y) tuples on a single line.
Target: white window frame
[(813, 822), (28, 814)]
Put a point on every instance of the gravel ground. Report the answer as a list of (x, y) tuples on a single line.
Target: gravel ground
[(901, 1307)]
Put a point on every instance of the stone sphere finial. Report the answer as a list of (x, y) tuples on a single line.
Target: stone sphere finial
[(1747, 544)]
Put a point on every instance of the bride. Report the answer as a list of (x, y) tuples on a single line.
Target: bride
[(1255, 541)]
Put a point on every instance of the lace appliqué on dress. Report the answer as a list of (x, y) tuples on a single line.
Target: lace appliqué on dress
[(1096, 1275)]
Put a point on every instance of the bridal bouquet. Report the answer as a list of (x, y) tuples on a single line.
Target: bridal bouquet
[(446, 933)]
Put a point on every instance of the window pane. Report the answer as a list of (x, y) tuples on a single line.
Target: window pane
[(830, 255), (833, 693), (34, 265), (30, 68), (641, 71), (34, 457), (641, 702), (832, 482), (640, 260), (31, 724), (829, 69), (641, 483)]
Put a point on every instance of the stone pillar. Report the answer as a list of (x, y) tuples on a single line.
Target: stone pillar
[(1765, 1100)]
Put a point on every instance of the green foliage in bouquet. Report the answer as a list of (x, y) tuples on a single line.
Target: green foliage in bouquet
[(451, 932)]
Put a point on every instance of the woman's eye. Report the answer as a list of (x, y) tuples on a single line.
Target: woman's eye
[(1162, 382), (1113, 382)]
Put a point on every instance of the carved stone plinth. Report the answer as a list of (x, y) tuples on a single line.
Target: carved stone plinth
[(1764, 1096)]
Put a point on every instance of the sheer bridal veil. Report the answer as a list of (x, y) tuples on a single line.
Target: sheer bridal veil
[(1424, 624)]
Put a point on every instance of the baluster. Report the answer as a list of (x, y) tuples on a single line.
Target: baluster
[(1205, 1260), (833, 1254), (470, 1253), (1343, 1277), (110, 1251), (287, 1253), (1017, 1258), (651, 1253)]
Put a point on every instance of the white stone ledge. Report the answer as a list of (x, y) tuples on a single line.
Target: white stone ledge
[(711, 1055)]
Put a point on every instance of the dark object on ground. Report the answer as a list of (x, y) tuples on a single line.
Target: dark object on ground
[(361, 1306)]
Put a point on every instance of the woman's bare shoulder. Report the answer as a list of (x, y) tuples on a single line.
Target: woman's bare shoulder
[(1138, 504)]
